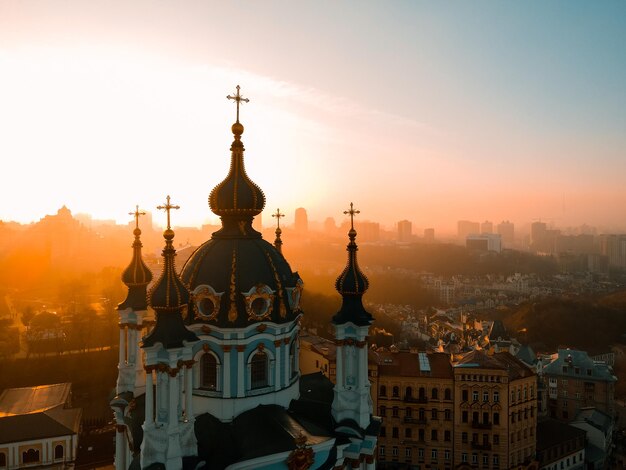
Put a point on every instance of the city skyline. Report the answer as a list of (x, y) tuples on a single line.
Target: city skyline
[(441, 112)]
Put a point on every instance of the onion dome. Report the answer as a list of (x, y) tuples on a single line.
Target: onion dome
[(136, 276), (352, 284), (237, 195), (169, 298), (236, 277)]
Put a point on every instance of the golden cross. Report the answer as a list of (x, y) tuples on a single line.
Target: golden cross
[(137, 214), (352, 213), (278, 215), (238, 99), (167, 207)]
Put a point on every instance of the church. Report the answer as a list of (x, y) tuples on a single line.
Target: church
[(213, 382)]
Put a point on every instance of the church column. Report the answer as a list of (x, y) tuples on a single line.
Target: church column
[(174, 401), (120, 447), (277, 349), (241, 385), (122, 344), (226, 372), (189, 390), (363, 369), (339, 364), (287, 355), (149, 419)]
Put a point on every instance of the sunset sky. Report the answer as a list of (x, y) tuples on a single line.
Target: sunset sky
[(427, 111)]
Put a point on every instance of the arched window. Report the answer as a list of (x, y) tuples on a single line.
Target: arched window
[(396, 391), (58, 451), (3, 459), (383, 391), (434, 394), (447, 394), (258, 370), (422, 393), (30, 456), (408, 392), (208, 372)]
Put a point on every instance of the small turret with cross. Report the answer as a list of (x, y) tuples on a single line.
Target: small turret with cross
[(278, 243)]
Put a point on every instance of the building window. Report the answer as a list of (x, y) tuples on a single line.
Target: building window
[(394, 451), (30, 456), (258, 370), (474, 458), (485, 459), (433, 413), (420, 433), (447, 415), (464, 457), (446, 436), (395, 433), (464, 395), (408, 392), (395, 412), (396, 392), (433, 435), (433, 454), (420, 453), (447, 395), (383, 431), (421, 414), (422, 393), (383, 411), (446, 454), (496, 439), (496, 418), (383, 391), (475, 395), (512, 396), (208, 372), (485, 396), (407, 452), (3, 459), (496, 396), (293, 353), (407, 433), (464, 438), (496, 460), (464, 417), (381, 451), (58, 452), (408, 412), (434, 394)]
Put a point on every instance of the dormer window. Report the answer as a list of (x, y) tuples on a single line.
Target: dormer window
[(207, 302), (259, 302)]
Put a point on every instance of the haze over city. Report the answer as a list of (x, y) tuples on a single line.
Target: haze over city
[(432, 112)]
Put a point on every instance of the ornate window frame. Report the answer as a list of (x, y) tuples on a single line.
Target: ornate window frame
[(269, 370), (266, 294), (197, 373), (201, 293)]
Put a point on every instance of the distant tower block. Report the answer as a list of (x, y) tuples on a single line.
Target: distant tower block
[(429, 235), (301, 220), (405, 231), (330, 226), (486, 227), (507, 230), (467, 227)]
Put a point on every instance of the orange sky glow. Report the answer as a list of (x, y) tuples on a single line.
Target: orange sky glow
[(112, 104)]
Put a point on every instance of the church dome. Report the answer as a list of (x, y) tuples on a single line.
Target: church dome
[(237, 278)]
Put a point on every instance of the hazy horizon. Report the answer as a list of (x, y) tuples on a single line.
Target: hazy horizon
[(431, 112)]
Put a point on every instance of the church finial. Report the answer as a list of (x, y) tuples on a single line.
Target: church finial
[(278, 243), (136, 214), (237, 98), (167, 207), (136, 276)]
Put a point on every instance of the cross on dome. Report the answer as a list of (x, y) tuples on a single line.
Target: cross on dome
[(167, 207), (136, 214), (278, 215), (352, 212), (237, 98)]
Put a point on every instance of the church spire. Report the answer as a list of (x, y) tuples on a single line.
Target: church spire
[(136, 276), (352, 283), (237, 199), (169, 297)]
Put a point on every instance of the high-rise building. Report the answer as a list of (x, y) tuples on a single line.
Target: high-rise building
[(486, 227), (484, 242), (301, 221), (506, 230), (614, 248), (429, 235), (466, 227), (405, 231)]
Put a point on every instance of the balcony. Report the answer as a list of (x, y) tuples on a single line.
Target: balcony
[(412, 420), (477, 425), (479, 446), (410, 399)]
